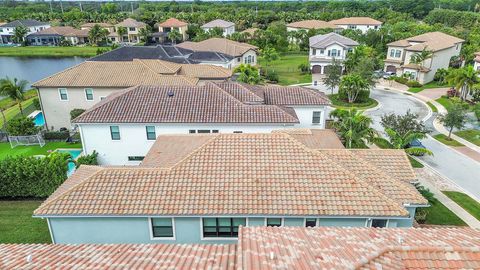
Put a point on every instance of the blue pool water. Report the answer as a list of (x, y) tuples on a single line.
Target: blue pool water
[(74, 153), (39, 120)]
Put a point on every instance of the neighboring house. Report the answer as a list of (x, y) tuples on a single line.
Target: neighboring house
[(291, 247), (7, 29), (311, 24), (133, 27), (211, 108), (201, 188), (230, 53), (250, 32), (167, 26), (54, 35), (476, 61), (323, 48), (227, 27), (87, 26), (400, 52), (358, 23), (83, 85)]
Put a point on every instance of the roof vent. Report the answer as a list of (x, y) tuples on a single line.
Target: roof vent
[(272, 256), (170, 93)]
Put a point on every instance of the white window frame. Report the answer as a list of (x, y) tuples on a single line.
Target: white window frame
[(86, 96), (281, 218), (119, 133), (219, 238), (60, 94), (150, 227), (320, 121)]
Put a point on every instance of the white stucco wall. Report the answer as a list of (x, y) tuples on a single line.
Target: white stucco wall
[(362, 27)]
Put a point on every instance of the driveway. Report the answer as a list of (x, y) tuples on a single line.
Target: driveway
[(463, 171)]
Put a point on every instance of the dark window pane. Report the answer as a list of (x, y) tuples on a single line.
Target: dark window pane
[(203, 131), (379, 223), (274, 222), (191, 131), (310, 222), (115, 132), (162, 227)]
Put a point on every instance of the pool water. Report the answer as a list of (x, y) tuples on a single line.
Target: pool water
[(74, 153), (39, 120)]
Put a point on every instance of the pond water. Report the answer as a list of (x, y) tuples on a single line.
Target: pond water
[(33, 69)]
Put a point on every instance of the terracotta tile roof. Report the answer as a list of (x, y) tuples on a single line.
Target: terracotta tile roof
[(117, 256), (356, 21), (432, 41), (131, 73), (218, 23), (66, 31), (173, 22), (358, 248), (232, 174), (416, 67), (129, 22), (209, 103), (312, 24), (314, 138), (219, 45)]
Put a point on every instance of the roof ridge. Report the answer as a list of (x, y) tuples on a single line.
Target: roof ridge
[(142, 61), (62, 71), (186, 157)]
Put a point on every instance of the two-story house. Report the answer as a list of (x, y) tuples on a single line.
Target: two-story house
[(200, 188), (441, 46), (84, 85), (212, 108), (358, 23), (323, 48), (133, 27), (169, 25), (227, 27), (7, 30), (227, 53)]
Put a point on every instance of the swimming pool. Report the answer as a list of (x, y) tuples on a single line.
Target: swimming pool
[(38, 118), (75, 153)]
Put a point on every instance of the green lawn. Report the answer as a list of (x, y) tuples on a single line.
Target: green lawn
[(286, 66), (466, 202), (14, 111), (471, 135), (415, 163), (434, 109), (35, 51), (439, 214), (7, 102), (444, 139), (18, 226), (445, 102), (6, 150), (426, 86), (340, 104)]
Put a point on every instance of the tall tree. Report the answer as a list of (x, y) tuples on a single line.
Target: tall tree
[(455, 118), (248, 74), (14, 89), (353, 127), (333, 75), (97, 34), (19, 34), (121, 31), (269, 54), (420, 57), (403, 123), (351, 86), (463, 79), (397, 140), (174, 35), (145, 33)]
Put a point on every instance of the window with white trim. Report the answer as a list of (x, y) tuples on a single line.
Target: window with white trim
[(89, 93), (115, 133), (222, 227), (63, 93), (274, 222), (162, 227), (316, 118), (150, 132)]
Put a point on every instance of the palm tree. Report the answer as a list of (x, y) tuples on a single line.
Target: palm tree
[(463, 79), (420, 57), (398, 141), (14, 89), (353, 127), (144, 34), (19, 34), (269, 54), (248, 74), (174, 35), (121, 31), (351, 86), (97, 34)]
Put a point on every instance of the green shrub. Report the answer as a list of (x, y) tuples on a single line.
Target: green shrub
[(36, 104), (476, 110), (363, 96), (87, 159), (21, 126), (26, 177), (56, 135), (272, 76), (401, 80), (414, 84), (75, 113)]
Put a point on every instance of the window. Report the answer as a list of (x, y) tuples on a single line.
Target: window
[(115, 133), (135, 158), (203, 131), (238, 132), (89, 93), (192, 131), (63, 94), (379, 223), (310, 222), (274, 222), (314, 51), (322, 51), (222, 227), (131, 29), (102, 98), (151, 133), (162, 227), (398, 53), (316, 117)]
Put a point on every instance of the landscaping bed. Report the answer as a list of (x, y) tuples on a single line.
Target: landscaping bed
[(51, 51), (466, 202), (471, 135), (341, 104), (434, 109), (444, 139), (286, 66)]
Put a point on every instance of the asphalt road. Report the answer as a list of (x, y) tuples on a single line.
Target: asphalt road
[(462, 170)]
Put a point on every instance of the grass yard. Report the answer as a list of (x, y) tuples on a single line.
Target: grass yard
[(445, 102), (439, 214), (471, 135), (426, 86), (466, 202), (6, 150), (415, 163), (14, 111), (444, 139), (340, 104), (36, 51), (286, 66), (7, 102), (434, 109), (18, 226)]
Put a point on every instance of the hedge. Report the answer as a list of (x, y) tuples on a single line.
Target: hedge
[(27, 177), (56, 135)]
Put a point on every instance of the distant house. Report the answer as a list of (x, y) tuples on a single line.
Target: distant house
[(442, 46), (87, 26), (250, 32), (358, 23), (230, 53), (211, 108), (7, 30), (54, 35), (201, 188), (323, 48), (167, 26), (476, 61), (88, 83), (133, 27), (227, 27), (311, 24)]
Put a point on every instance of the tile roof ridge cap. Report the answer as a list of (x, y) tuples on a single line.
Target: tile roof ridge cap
[(68, 191), (195, 151)]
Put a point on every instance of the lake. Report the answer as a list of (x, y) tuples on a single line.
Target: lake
[(33, 69)]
